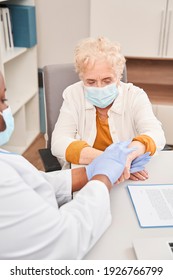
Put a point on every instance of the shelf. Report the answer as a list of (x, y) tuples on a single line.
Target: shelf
[(158, 94), (148, 58), (11, 54), (17, 103), (20, 70), (27, 128), (150, 71), (31, 135), (154, 76), (22, 2)]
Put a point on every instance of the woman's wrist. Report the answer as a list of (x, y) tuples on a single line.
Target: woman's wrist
[(140, 149), (88, 154)]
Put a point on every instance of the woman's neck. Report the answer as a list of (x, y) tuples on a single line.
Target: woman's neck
[(103, 112)]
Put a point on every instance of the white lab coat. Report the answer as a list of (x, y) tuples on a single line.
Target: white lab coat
[(130, 115), (32, 223)]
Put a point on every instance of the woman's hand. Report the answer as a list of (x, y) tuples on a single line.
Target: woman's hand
[(134, 168), (141, 175), (126, 173), (110, 163)]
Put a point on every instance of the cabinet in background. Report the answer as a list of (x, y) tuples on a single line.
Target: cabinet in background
[(155, 76), (143, 28), (19, 67)]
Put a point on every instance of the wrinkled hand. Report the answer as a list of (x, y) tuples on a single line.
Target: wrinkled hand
[(111, 162), (137, 169), (134, 169), (138, 164), (141, 175)]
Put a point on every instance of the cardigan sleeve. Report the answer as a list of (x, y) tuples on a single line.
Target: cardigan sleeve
[(149, 143), (73, 151)]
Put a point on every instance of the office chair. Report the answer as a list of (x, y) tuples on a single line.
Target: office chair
[(55, 79)]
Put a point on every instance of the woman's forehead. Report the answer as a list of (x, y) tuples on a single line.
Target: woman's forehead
[(99, 68)]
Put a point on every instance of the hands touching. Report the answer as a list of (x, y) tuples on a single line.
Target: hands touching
[(119, 162), (111, 162), (135, 165), (111, 165)]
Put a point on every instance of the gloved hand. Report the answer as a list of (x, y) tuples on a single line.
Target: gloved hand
[(139, 163), (111, 163)]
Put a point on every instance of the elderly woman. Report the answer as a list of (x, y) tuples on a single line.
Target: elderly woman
[(33, 225), (100, 110)]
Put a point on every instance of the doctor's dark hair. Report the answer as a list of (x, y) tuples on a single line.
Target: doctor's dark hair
[(91, 50)]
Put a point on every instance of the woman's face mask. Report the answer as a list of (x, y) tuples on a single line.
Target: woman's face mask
[(101, 96), (9, 122)]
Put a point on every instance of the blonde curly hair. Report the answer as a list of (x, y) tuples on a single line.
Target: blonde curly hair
[(91, 50)]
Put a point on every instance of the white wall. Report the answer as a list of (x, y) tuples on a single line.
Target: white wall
[(60, 25)]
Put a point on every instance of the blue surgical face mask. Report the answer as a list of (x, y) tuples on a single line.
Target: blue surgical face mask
[(9, 122), (101, 96)]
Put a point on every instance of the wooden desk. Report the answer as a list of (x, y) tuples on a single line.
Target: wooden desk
[(116, 243)]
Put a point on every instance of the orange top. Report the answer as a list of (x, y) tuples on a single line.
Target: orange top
[(73, 151), (149, 143), (103, 137), (102, 141)]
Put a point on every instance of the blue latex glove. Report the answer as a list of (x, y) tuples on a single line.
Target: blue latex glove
[(111, 163), (138, 164)]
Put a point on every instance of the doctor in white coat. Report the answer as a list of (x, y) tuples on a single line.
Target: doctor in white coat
[(38, 217)]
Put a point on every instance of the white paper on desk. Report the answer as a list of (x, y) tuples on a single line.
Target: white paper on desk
[(153, 204)]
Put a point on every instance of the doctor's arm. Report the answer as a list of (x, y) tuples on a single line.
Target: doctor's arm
[(45, 229), (79, 179)]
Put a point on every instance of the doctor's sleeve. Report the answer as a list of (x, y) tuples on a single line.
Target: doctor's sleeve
[(87, 217), (61, 181)]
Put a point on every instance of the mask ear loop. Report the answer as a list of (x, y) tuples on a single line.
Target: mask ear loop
[(1, 114)]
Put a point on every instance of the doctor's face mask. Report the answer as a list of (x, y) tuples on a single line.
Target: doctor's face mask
[(6, 118), (9, 123)]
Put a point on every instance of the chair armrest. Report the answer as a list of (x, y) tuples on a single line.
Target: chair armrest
[(49, 161)]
